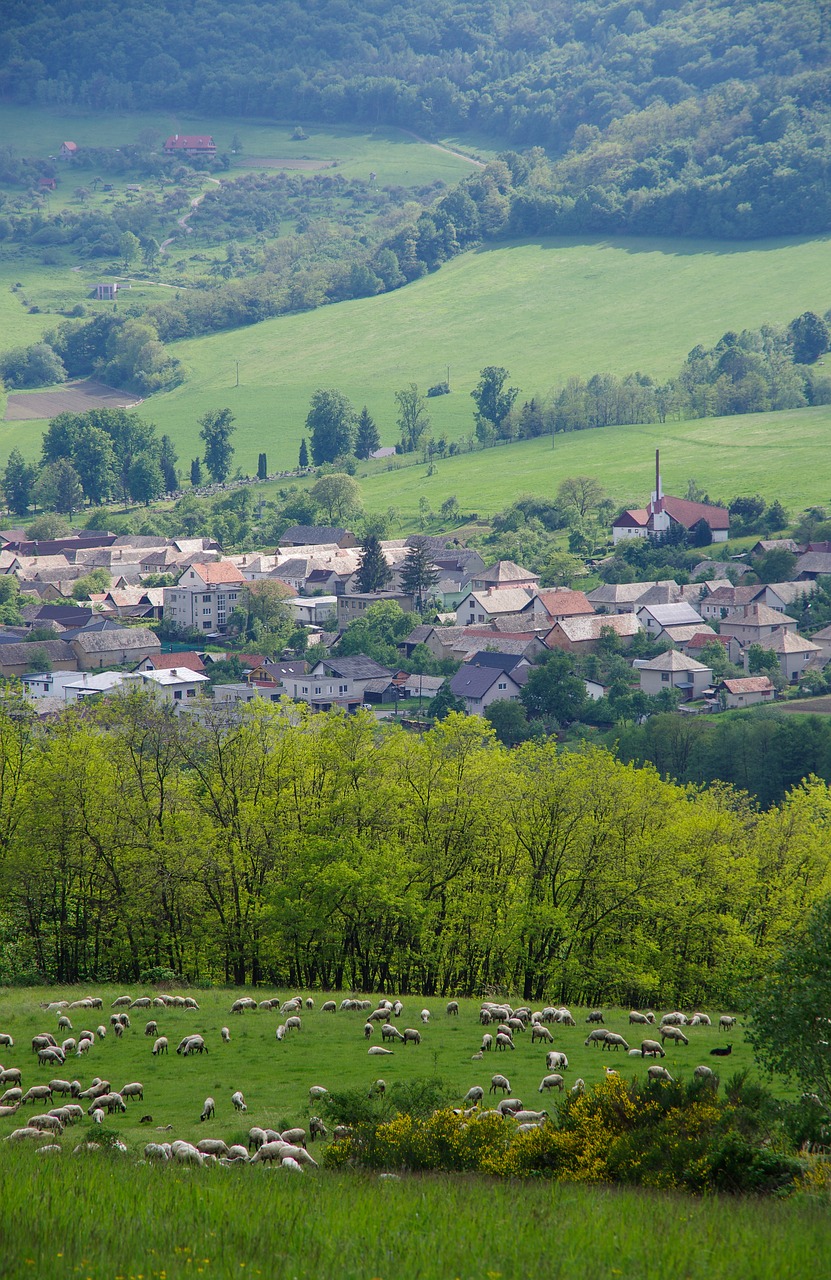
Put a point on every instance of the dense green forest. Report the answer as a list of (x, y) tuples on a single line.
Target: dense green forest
[(331, 851), (687, 117)]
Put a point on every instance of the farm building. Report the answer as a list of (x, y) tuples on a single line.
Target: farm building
[(190, 144)]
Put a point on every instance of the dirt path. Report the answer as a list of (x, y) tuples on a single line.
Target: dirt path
[(186, 217), (439, 146)]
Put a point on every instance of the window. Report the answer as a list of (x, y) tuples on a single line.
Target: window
[(206, 599), (502, 685), (177, 694), (191, 693), (343, 688), (232, 595), (205, 611), (206, 626), (665, 677)]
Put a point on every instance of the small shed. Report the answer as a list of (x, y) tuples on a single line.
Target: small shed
[(106, 292)]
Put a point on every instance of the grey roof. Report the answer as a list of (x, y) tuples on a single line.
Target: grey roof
[(474, 682), (501, 660), (15, 655), (107, 641), (356, 667), (308, 535), (97, 624), (619, 592), (818, 562), (673, 661), (672, 615), (419, 634)]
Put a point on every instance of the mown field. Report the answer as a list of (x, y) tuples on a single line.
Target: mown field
[(103, 1215)]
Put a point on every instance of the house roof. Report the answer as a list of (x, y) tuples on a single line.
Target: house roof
[(775, 544), (790, 642), (501, 599), (312, 535), (672, 660), (356, 667), (562, 601), (589, 628), (759, 615), (163, 661), (688, 513), (419, 634), (683, 635), (501, 660), (618, 592), (503, 573), (471, 641), (190, 142), (668, 615), (748, 684), (109, 641), (789, 592), (700, 638), (218, 571), (175, 675), (732, 597), (474, 682), (718, 567), (15, 655), (824, 634), (661, 593), (818, 562), (636, 517)]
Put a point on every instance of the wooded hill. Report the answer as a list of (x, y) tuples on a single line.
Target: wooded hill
[(706, 117)]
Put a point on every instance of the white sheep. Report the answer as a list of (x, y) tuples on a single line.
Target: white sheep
[(186, 1153), (578, 1088), (238, 1101), (297, 1136), (121, 1002), (500, 1082), (208, 1109), (11, 1096), (329, 1007), (425, 1016), (225, 1035), (160, 1046), (596, 1037), (474, 1095), (6, 1041), (377, 1052), (389, 1032), (293, 1024), (411, 1036), (317, 1129), (97, 1116), (614, 1041), (541, 1032), (151, 1028), (452, 1008), (530, 1117), (509, 1106), (704, 1073), (651, 1049), (57, 1086), (49, 1124), (659, 1074), (551, 1082), (318, 1091), (157, 1151), (556, 1061), (639, 1018), (675, 1034), (63, 1023), (212, 1147), (726, 1023), (676, 1019), (134, 1090), (504, 1041)]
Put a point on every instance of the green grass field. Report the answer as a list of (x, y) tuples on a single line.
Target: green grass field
[(101, 1216)]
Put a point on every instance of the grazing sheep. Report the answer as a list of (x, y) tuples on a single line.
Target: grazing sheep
[(425, 1016), (551, 1082), (12, 1095), (238, 1101), (6, 1041), (675, 1034), (596, 1037), (194, 1044), (722, 1053), (675, 1019), (376, 1051), (186, 1153), (704, 1073), (225, 1035), (564, 1017), (256, 1138), (368, 1029), (509, 1106), (318, 1091), (474, 1095), (291, 1006), (97, 1115), (329, 1007), (411, 1036), (377, 1089), (530, 1117), (118, 1028), (614, 1041), (726, 1023), (212, 1147), (499, 1082), (48, 1124), (124, 1019), (134, 1090), (540, 1032), (596, 1015), (281, 1033), (309, 1002), (101, 1032), (578, 1088), (10, 1110), (639, 1018), (397, 1009), (700, 1020), (63, 1023), (157, 1151), (10, 1075), (658, 1073), (317, 1129), (293, 1024), (43, 1041), (48, 1056), (96, 1089), (651, 1049), (151, 1028), (516, 1024), (269, 1151), (504, 1042), (121, 1002), (453, 1008), (297, 1136), (556, 1061), (160, 1046), (389, 1032), (143, 1002), (245, 1002), (190, 1003), (18, 1135), (487, 1042)]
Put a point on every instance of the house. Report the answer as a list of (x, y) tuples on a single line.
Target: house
[(236, 692), (175, 684), (680, 636), (672, 670), (775, 544), (718, 568), (724, 602), (744, 691), (618, 597), (18, 659), (813, 564), (485, 605), (47, 684), (695, 643), (190, 144), (58, 616), (664, 513), (204, 597), (113, 648), (418, 686), (313, 535), (581, 635), (313, 610), (783, 596), (562, 602), (332, 685), (354, 606), (480, 686), (503, 574), (823, 639), (69, 150), (656, 619), (106, 291), (756, 624), (102, 682), (794, 653), (47, 184), (190, 661)]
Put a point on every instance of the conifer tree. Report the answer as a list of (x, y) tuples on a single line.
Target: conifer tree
[(303, 460), (374, 574), (367, 439)]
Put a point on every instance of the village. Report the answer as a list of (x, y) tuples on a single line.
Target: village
[(477, 634)]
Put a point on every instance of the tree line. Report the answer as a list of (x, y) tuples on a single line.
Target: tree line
[(328, 851)]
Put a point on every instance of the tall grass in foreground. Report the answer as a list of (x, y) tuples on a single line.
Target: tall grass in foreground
[(96, 1217)]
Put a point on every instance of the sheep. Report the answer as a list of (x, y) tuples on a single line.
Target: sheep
[(722, 1053), (596, 1037), (675, 1034), (256, 1138), (43, 1041), (48, 1124), (190, 1003), (18, 1135), (281, 1033), (238, 1101), (675, 1019), (186, 1153), (124, 1019), (193, 1044), (425, 1016), (376, 1051), (10, 1096), (10, 1075), (487, 1042), (143, 1002), (368, 1029), (239, 1006), (48, 1056), (60, 1086), (96, 1089), (651, 1049), (411, 1036), (121, 1002), (9, 1110), (236, 1153), (63, 1023), (69, 1045), (318, 1091), (6, 1041), (499, 1082), (556, 1061), (516, 1024), (704, 1073), (564, 1017), (317, 1129), (504, 1042), (118, 1028), (389, 1032), (539, 1032), (659, 1074), (212, 1147), (101, 1032), (157, 1151), (726, 1023), (700, 1020), (297, 1136), (208, 1109), (309, 1002), (397, 1009), (160, 1046), (151, 1028), (474, 1095), (578, 1088), (329, 1007), (530, 1117), (293, 1024), (639, 1018), (549, 1014), (73, 1111), (134, 1090), (551, 1082), (269, 1151), (84, 1046), (291, 1006), (596, 1015), (452, 1008), (614, 1041), (509, 1106), (97, 1116), (112, 1101)]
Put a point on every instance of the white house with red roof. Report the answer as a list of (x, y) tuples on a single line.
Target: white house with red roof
[(190, 144), (204, 597), (664, 511)]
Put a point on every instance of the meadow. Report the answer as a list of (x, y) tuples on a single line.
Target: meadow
[(106, 1216)]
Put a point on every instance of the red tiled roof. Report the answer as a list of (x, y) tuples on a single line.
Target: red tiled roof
[(701, 638), (748, 684), (561, 601), (190, 142), (167, 661), (689, 513), (637, 517), (219, 571)]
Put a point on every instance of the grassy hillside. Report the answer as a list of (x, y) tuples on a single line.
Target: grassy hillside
[(546, 310)]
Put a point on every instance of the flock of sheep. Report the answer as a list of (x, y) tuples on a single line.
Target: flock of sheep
[(288, 1149)]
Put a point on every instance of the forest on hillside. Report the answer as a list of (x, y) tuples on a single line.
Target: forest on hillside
[(683, 117)]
